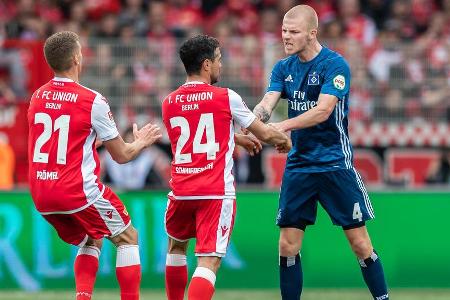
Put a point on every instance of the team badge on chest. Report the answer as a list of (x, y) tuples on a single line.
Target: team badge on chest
[(313, 79)]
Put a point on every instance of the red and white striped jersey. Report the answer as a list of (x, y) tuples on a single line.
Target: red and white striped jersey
[(199, 121), (64, 119)]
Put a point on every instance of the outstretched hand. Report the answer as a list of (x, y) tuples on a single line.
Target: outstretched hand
[(278, 126), (250, 143), (245, 131), (148, 134), (284, 148)]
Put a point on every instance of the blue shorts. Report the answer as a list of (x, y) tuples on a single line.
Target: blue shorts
[(341, 193)]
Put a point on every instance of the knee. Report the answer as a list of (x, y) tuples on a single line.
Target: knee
[(94, 243), (210, 262), (288, 247), (128, 237), (176, 247), (132, 236), (362, 247)]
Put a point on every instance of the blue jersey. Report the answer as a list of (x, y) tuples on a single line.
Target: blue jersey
[(326, 146)]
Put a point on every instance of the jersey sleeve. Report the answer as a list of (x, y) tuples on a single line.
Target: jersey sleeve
[(102, 120), (276, 80), (337, 79), (239, 110)]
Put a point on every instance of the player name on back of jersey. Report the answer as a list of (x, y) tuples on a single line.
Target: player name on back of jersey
[(56, 96), (46, 175), (188, 98), (186, 170)]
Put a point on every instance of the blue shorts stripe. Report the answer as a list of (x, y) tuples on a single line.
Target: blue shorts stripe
[(364, 193)]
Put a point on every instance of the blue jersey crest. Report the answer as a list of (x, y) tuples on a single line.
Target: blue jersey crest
[(313, 79)]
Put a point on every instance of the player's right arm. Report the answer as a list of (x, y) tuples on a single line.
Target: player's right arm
[(263, 110), (123, 152), (105, 127)]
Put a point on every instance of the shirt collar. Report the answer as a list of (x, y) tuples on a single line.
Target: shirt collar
[(63, 79), (194, 82)]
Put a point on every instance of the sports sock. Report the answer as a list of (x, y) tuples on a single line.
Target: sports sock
[(176, 276), (373, 274), (202, 284), (85, 269), (291, 277), (128, 271)]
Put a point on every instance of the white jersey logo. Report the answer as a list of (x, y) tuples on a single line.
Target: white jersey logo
[(339, 82), (289, 78)]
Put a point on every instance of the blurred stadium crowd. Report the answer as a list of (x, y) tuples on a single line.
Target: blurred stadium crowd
[(398, 50)]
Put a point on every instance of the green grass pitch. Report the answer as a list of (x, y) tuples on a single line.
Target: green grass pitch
[(309, 294)]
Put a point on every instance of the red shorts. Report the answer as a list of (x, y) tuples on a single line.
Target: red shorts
[(209, 221), (106, 217)]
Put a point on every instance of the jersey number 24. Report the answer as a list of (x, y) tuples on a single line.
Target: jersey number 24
[(205, 125)]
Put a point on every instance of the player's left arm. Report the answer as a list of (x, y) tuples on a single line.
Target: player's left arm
[(312, 117)]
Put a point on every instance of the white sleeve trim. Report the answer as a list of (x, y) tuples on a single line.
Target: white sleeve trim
[(239, 110), (103, 124)]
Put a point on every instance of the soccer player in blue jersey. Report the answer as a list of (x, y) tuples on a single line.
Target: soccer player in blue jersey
[(316, 82)]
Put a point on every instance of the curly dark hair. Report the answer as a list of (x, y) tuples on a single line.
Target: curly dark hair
[(195, 50)]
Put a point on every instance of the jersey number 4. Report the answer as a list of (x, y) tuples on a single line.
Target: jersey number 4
[(205, 125), (61, 124)]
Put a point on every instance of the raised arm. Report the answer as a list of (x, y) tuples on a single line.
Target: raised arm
[(312, 117), (123, 152), (263, 110)]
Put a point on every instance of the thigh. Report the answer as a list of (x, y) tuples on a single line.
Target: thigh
[(298, 200), (180, 219), (214, 224), (106, 217), (344, 197), (68, 228)]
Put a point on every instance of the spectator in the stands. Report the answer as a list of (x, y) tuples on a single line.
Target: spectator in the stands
[(14, 80), (132, 14), (400, 15), (357, 25), (182, 17), (108, 27), (387, 55)]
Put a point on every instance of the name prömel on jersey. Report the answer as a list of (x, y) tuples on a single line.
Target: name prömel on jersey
[(46, 175), (302, 105)]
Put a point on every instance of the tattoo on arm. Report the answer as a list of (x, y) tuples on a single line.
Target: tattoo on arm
[(261, 113)]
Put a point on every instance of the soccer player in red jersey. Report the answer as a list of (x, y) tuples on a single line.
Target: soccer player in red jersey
[(199, 118), (65, 119)]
